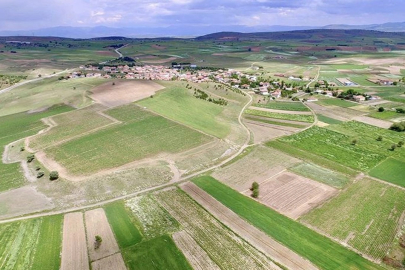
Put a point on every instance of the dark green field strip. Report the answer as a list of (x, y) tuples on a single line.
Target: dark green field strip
[(158, 253), (328, 120), (11, 176), (125, 231), (307, 156), (268, 121), (390, 170), (47, 254), (319, 249), (286, 106)]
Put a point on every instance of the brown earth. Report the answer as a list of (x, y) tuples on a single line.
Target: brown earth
[(373, 121), (97, 224), (264, 132), (107, 53), (124, 92), (74, 249), (113, 262), (293, 195), (338, 113), (195, 255), (158, 47), (251, 234)]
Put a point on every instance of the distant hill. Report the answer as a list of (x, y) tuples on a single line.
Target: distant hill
[(303, 35), (182, 31)]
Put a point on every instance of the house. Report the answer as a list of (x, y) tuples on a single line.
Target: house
[(359, 98)]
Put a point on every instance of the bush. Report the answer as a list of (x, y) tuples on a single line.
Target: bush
[(354, 142), (380, 138), (400, 143), (393, 147), (22, 148), (255, 193), (30, 158), (37, 168), (381, 109), (40, 174), (97, 242), (53, 175), (255, 189), (400, 127), (255, 185)]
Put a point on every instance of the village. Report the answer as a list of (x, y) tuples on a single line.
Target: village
[(281, 87)]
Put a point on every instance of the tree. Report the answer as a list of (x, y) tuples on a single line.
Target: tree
[(30, 158), (53, 175), (381, 109), (380, 138), (97, 241), (255, 189), (40, 174), (255, 193)]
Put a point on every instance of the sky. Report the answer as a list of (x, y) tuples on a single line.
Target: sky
[(31, 15)]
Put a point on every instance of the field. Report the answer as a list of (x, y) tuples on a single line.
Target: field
[(293, 195), (124, 92), (320, 174), (366, 216), (320, 250), (260, 164), (115, 262), (336, 102), (374, 122), (274, 122), (328, 120), (390, 170), (124, 230), (226, 249), (31, 244), (385, 115), (334, 112), (69, 125), (158, 253), (284, 116), (74, 247), (142, 135), (285, 106)]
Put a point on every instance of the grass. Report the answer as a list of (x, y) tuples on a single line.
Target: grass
[(47, 255), (158, 253), (278, 123), (368, 210), (125, 231), (390, 170), (285, 106), (315, 172), (336, 102), (385, 115), (283, 116), (177, 103), (142, 135), (319, 249), (328, 120)]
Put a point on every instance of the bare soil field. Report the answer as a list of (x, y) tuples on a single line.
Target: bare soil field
[(194, 254), (251, 234), (373, 121), (124, 92), (259, 165), (293, 195), (74, 248), (160, 61), (97, 224), (264, 132), (107, 53), (115, 262), (22, 201), (338, 113)]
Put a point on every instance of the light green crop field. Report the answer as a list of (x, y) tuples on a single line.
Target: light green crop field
[(336, 102), (123, 227), (319, 249), (328, 120), (272, 122), (390, 170), (284, 116), (385, 115), (178, 103), (70, 125), (366, 215), (315, 172), (223, 246), (286, 106), (31, 244), (145, 135), (158, 253)]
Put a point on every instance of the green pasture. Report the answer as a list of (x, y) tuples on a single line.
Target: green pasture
[(284, 105), (390, 170), (328, 120)]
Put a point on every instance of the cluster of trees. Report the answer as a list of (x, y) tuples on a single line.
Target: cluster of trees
[(11, 79), (349, 94), (255, 190), (204, 96), (400, 127)]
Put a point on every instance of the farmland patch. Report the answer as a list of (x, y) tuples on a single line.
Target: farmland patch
[(320, 174), (115, 262), (390, 170)]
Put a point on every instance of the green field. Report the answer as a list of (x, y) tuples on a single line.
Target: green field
[(278, 123), (319, 249), (385, 115), (285, 106), (315, 172), (31, 244), (328, 120), (178, 103), (143, 134), (284, 116), (158, 253), (367, 213), (390, 170), (336, 102), (125, 231)]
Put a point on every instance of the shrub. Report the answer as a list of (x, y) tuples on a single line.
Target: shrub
[(30, 158), (40, 174), (400, 143), (393, 147), (354, 142), (37, 168), (255, 193), (381, 109), (255, 185), (97, 242), (22, 148), (398, 126), (380, 138), (53, 175), (255, 189)]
